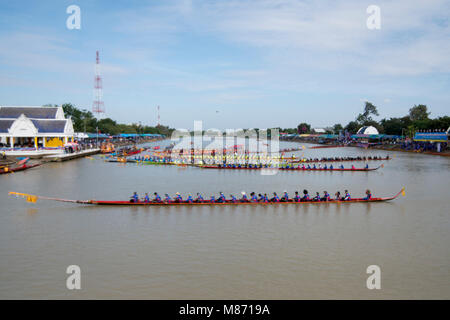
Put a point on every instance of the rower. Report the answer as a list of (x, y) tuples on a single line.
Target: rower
[(233, 198), (325, 167), (221, 198), (347, 196), (331, 167), (297, 197), (178, 197), (305, 195), (199, 198), (244, 197), (367, 166), (368, 195), (146, 198), (261, 197), (285, 197), (326, 196), (266, 198), (213, 199), (275, 198), (353, 167), (167, 198), (342, 166), (157, 197), (317, 197), (134, 197), (189, 199), (338, 196), (254, 198)]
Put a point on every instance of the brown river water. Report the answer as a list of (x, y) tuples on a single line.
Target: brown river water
[(227, 252)]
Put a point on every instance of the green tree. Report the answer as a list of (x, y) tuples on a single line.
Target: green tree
[(337, 127), (352, 127), (369, 109), (419, 112), (303, 128)]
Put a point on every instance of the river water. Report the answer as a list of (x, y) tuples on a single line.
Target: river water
[(242, 252)]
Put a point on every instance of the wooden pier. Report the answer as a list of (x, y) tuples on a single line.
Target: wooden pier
[(70, 156)]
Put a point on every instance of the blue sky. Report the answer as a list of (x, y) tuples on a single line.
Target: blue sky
[(232, 64)]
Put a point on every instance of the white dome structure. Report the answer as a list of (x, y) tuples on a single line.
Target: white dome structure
[(367, 130)]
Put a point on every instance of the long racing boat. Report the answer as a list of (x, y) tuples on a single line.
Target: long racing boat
[(287, 168), (6, 170), (34, 198)]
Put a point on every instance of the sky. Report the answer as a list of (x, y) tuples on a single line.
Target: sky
[(228, 63)]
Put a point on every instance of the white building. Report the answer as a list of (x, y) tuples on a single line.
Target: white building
[(319, 130), (367, 130), (38, 127)]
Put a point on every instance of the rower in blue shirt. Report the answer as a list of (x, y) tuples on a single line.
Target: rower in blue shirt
[(213, 199), (285, 197), (189, 199), (296, 197), (157, 197), (326, 196), (254, 197), (244, 197), (261, 197), (199, 198), (233, 198), (275, 198), (134, 197), (221, 198), (317, 197), (178, 197), (347, 196), (342, 166), (167, 198), (266, 198), (305, 195), (368, 195), (367, 166), (146, 198), (331, 167)]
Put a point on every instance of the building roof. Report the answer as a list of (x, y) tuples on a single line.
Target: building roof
[(5, 125), (431, 136), (48, 126), (30, 112)]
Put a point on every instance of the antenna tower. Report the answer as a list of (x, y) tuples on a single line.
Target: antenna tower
[(98, 106), (159, 118)]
